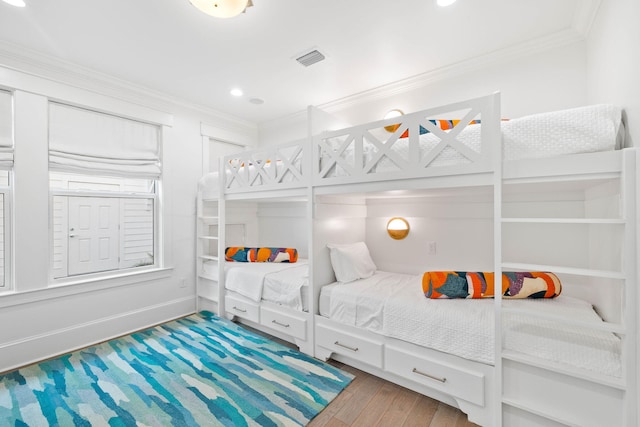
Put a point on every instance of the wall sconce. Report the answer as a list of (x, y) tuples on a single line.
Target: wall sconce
[(398, 228), (391, 114)]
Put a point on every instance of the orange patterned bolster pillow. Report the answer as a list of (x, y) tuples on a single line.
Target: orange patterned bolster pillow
[(242, 254), (465, 284)]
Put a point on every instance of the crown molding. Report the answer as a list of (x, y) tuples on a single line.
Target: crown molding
[(57, 70), (585, 16), (528, 48)]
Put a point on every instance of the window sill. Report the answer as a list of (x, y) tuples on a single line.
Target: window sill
[(76, 286)]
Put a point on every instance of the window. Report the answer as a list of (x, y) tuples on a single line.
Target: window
[(6, 164), (104, 174)]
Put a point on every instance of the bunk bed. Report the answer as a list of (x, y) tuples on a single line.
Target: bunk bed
[(529, 160)]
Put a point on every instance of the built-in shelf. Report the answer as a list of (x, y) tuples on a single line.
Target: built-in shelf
[(607, 274), (208, 233), (208, 298), (605, 221), (593, 325), (571, 371), (207, 277), (208, 220), (208, 237), (537, 411)]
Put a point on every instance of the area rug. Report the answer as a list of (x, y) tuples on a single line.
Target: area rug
[(200, 370)]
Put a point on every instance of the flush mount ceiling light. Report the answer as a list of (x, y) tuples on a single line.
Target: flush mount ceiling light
[(221, 8), (236, 92), (445, 3), (16, 3)]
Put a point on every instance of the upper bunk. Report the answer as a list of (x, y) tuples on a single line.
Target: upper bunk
[(467, 143)]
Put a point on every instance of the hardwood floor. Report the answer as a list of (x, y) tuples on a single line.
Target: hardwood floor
[(370, 401)]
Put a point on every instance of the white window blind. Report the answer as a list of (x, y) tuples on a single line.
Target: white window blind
[(6, 130), (90, 142)]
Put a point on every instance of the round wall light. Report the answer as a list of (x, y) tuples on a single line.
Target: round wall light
[(398, 228), (390, 115)]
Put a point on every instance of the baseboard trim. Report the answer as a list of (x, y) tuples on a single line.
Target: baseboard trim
[(35, 348)]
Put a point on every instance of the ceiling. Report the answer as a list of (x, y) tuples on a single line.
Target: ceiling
[(169, 47)]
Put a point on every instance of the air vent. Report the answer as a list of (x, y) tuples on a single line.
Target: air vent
[(310, 58)]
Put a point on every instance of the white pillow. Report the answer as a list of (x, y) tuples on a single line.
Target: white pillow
[(351, 261)]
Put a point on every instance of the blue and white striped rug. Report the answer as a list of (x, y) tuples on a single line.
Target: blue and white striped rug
[(197, 371)]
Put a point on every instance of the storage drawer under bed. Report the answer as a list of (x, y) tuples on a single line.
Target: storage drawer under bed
[(240, 308), (457, 382), (346, 344), (283, 322)]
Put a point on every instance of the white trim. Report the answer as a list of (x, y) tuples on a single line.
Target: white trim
[(74, 95), (45, 69), (584, 17), (65, 340), (83, 285), (243, 138), (8, 235)]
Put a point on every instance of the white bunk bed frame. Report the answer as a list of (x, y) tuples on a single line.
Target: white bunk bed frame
[(517, 390)]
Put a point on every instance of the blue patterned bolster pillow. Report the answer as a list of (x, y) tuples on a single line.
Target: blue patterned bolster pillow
[(243, 254)]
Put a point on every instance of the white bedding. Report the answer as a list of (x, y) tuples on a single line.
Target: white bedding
[(393, 305), (288, 287), (282, 283), (573, 131)]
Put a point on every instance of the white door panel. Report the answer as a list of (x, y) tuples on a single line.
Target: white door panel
[(93, 234)]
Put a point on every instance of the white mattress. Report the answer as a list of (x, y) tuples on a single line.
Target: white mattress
[(281, 283), (393, 305)]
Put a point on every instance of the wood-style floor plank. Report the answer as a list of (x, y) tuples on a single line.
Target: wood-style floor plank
[(371, 401), (399, 409), (422, 412), (377, 406)]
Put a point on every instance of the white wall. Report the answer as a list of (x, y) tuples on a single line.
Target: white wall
[(42, 320), (284, 225), (529, 82), (460, 228), (613, 61)]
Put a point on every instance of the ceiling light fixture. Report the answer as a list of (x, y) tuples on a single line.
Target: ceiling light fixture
[(16, 3), (445, 3), (221, 8), (236, 92)]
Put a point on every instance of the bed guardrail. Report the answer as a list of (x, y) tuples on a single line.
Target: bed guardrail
[(270, 168), (434, 142)]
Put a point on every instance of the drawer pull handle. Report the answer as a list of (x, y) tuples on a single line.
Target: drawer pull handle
[(346, 346), (241, 310), (442, 380), (286, 325)]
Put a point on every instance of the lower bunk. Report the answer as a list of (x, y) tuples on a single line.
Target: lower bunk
[(272, 298), (445, 349)]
